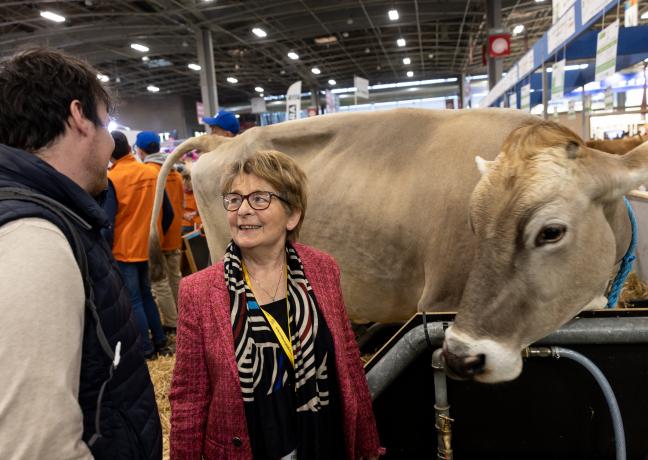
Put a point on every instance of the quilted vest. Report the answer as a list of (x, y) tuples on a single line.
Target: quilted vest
[(120, 414)]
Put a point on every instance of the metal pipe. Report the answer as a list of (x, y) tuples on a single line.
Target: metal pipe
[(578, 331), (615, 413), (442, 420)]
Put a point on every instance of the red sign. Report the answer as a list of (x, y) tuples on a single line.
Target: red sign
[(499, 45)]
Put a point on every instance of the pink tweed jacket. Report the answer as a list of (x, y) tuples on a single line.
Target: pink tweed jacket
[(207, 412)]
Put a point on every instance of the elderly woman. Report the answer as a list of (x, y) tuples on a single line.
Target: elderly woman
[(267, 366)]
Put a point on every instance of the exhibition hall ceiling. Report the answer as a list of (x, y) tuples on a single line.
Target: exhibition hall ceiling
[(340, 38)]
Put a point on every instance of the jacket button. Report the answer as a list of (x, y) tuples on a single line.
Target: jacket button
[(237, 441)]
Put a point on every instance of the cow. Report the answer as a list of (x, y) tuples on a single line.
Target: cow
[(551, 226), (617, 146), (390, 198)]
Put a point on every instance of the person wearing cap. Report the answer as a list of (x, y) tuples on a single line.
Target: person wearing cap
[(134, 185), (165, 289), (223, 124)]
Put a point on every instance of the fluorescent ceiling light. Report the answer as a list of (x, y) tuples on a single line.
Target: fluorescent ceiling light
[(52, 16), (145, 58), (518, 29), (332, 82), (153, 89), (138, 47), (393, 15), (400, 42), (259, 32), (644, 15), (294, 56), (316, 71), (232, 80), (407, 61), (258, 89), (539, 1), (102, 77), (193, 66), (410, 73)]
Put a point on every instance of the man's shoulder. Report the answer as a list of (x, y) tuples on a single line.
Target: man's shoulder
[(27, 226)]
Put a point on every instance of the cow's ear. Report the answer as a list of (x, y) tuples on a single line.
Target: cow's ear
[(483, 165), (609, 177)]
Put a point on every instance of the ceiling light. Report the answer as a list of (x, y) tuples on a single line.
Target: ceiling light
[(52, 16), (407, 61), (153, 89), (332, 82), (294, 56), (259, 32), (316, 71), (326, 40), (193, 66), (145, 58), (102, 77), (400, 42), (518, 29), (258, 89), (539, 1), (138, 47), (232, 80), (393, 15), (410, 73), (644, 15)]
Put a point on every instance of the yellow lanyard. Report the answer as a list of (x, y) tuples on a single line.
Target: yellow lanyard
[(284, 341)]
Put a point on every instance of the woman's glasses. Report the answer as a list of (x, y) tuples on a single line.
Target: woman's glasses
[(258, 200)]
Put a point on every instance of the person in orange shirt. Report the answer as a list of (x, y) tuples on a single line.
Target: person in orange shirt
[(165, 290), (134, 185), (190, 218)]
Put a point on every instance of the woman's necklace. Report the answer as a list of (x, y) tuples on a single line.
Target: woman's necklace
[(273, 296)]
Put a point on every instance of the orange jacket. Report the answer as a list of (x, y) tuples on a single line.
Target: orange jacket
[(135, 191), (190, 206), (172, 239)]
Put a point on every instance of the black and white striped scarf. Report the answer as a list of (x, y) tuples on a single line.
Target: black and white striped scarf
[(252, 335)]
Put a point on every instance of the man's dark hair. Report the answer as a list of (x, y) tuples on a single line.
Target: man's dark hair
[(37, 87), (122, 148)]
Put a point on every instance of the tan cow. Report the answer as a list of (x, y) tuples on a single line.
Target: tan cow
[(388, 197), (551, 226), (617, 146)]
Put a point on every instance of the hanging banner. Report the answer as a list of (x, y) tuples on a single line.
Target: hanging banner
[(525, 97), (561, 30), (609, 98), (513, 100), (589, 9), (606, 51), (559, 7), (200, 111), (361, 86), (258, 105), (330, 101), (558, 80), (571, 109), (293, 101), (631, 17)]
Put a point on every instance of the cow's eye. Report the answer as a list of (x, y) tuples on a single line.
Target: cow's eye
[(550, 234)]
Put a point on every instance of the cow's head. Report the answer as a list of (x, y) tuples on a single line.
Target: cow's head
[(550, 222)]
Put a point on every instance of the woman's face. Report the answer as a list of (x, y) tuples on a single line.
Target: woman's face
[(253, 229)]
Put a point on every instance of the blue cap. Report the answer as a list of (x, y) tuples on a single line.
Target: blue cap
[(224, 120), (148, 141)]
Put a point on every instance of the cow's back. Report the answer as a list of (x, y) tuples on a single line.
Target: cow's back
[(388, 197)]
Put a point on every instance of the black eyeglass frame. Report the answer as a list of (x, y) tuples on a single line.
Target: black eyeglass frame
[(246, 197)]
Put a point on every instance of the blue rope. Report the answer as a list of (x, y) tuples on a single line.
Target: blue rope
[(626, 262)]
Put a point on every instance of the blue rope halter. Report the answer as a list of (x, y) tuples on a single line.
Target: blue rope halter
[(626, 262)]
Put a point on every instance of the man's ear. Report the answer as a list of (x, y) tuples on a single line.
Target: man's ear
[(77, 119)]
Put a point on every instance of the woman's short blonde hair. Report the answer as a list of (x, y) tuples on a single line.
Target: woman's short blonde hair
[(280, 171)]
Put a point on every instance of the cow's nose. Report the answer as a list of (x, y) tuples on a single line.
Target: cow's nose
[(463, 366)]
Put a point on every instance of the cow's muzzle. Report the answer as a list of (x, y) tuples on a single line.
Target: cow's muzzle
[(462, 366)]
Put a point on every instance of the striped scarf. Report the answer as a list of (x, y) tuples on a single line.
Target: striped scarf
[(253, 336)]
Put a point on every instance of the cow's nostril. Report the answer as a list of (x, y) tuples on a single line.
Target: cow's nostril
[(463, 367)]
